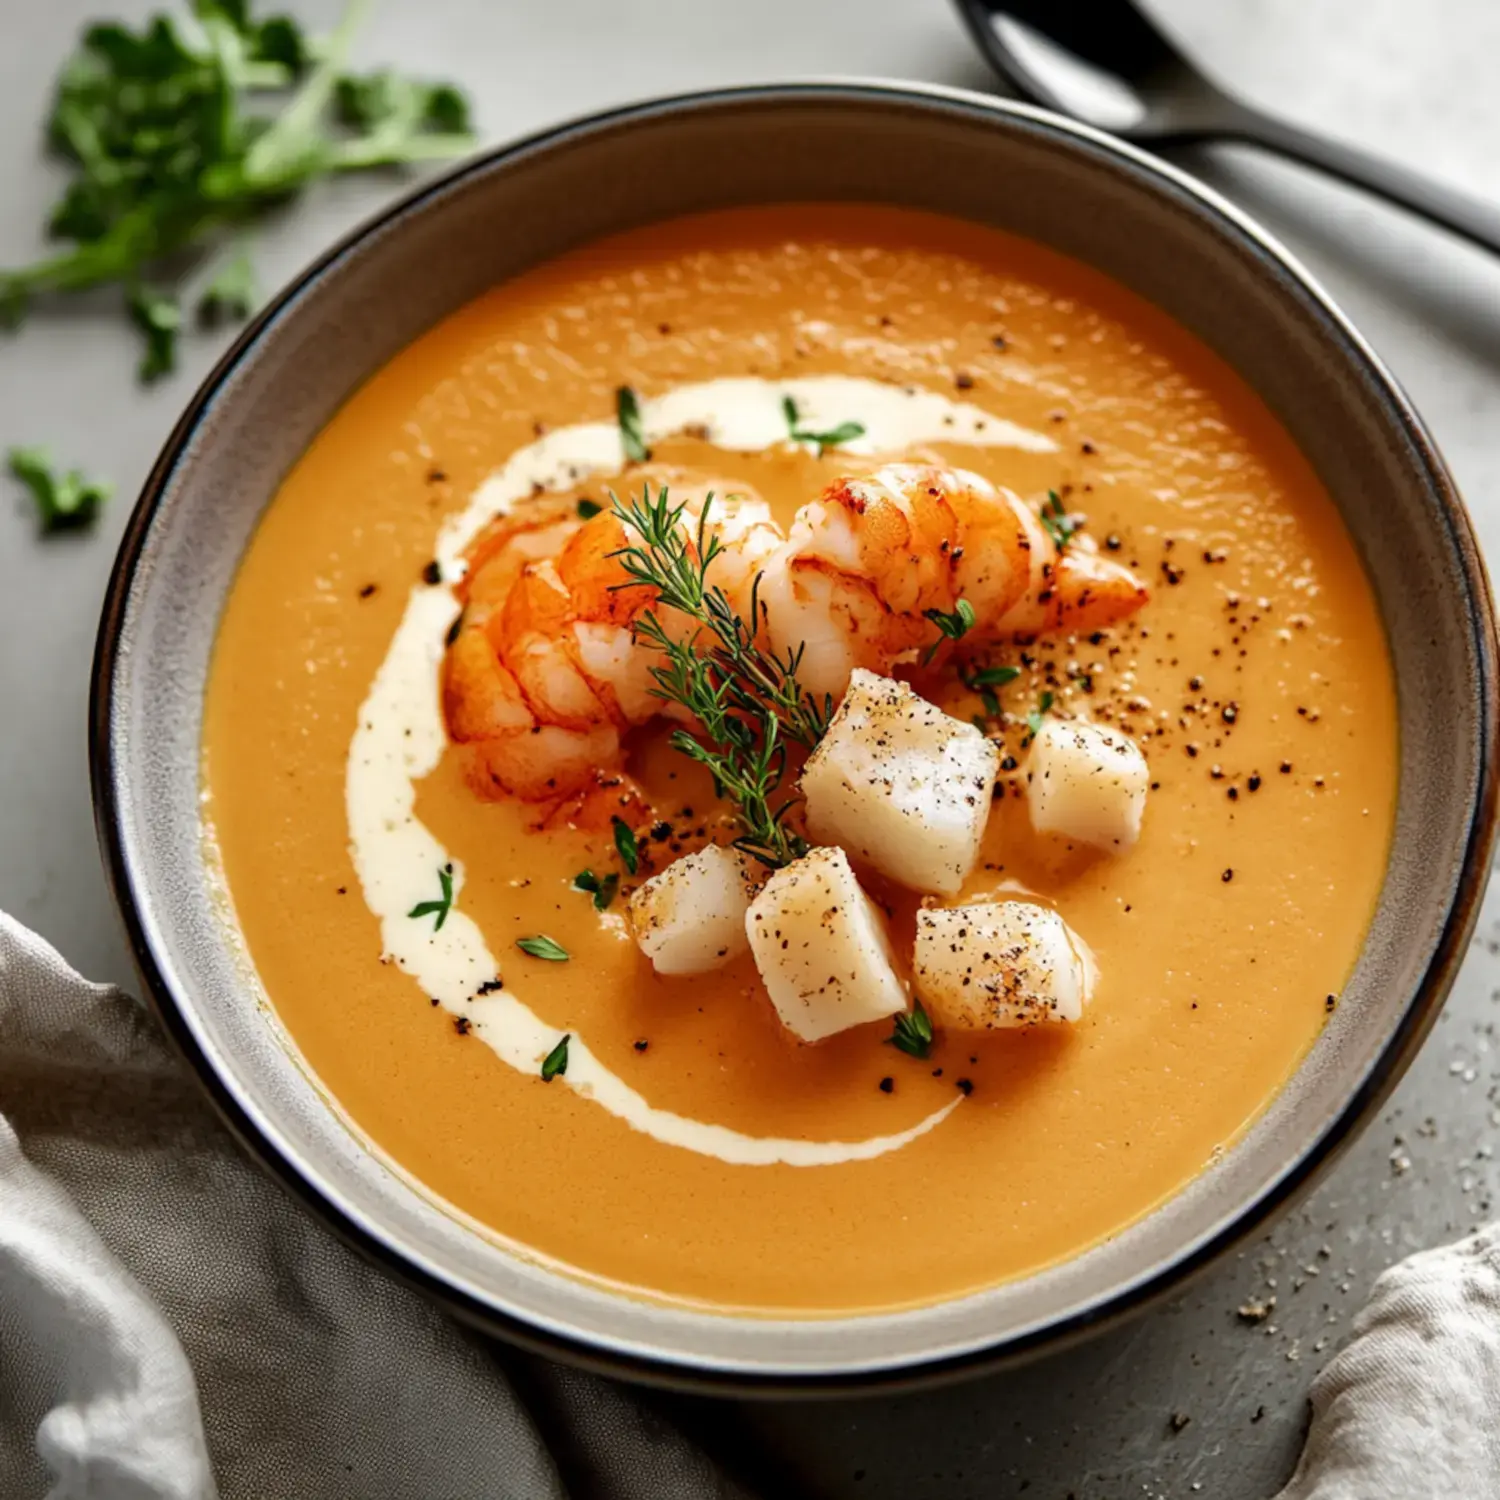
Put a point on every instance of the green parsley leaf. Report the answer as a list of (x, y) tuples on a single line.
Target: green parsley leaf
[(279, 39), (556, 1061), (845, 432), (385, 100), (632, 434), (588, 509), (64, 502), (441, 907), (913, 1033), (1059, 525), (158, 315), (625, 842), (602, 890), (232, 294), (542, 946), (951, 626), (1035, 717)]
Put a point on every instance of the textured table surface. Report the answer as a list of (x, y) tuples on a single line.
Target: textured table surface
[(1189, 1398)]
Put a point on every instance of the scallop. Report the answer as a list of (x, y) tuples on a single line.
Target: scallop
[(822, 948), (901, 785), (691, 917), (1087, 783), (1000, 963)]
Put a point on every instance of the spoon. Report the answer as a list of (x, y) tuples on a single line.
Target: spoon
[(1103, 62)]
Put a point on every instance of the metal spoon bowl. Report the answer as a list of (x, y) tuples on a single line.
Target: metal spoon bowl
[(1106, 63)]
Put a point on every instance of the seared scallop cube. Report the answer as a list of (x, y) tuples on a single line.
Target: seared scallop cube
[(691, 917), (822, 948), (1086, 783), (901, 785), (1000, 963)]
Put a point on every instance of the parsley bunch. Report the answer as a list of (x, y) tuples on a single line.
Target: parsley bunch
[(183, 132)]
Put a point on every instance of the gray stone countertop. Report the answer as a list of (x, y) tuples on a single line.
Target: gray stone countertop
[(1191, 1398)]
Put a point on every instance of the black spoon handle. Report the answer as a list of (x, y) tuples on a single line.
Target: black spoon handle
[(1465, 214)]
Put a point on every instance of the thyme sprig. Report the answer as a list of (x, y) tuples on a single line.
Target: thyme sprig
[(747, 700)]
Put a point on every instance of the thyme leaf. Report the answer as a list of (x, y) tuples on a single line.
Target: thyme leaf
[(1035, 717), (845, 431), (441, 907), (556, 1061), (542, 946), (913, 1033), (984, 681), (1059, 525), (601, 888), (626, 844), (632, 434)]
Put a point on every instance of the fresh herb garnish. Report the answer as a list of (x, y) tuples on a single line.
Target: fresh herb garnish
[(159, 317), (632, 434), (984, 681), (625, 843), (845, 432), (441, 907), (64, 502), (542, 946), (747, 701), (170, 143), (556, 1061), (588, 509), (1035, 717), (602, 889), (232, 294), (913, 1033), (1059, 524), (952, 626)]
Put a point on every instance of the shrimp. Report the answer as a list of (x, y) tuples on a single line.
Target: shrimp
[(546, 674), (864, 563)]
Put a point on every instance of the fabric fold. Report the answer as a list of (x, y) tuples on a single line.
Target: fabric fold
[(139, 1249)]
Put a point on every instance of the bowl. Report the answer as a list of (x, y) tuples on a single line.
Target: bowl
[(1092, 197)]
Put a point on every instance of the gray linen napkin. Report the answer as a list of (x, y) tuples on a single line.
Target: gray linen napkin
[(317, 1376), (1410, 1410)]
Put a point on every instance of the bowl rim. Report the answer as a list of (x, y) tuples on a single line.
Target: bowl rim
[(687, 1372)]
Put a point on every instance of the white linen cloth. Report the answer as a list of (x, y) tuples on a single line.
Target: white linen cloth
[(168, 1317)]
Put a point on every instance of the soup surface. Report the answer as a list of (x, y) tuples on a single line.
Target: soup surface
[(693, 1150)]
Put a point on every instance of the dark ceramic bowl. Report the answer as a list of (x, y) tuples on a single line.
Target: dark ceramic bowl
[(1142, 222)]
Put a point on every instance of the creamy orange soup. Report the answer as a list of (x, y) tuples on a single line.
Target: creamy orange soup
[(1256, 681)]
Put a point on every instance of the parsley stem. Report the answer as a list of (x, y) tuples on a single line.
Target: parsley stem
[(285, 143)]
